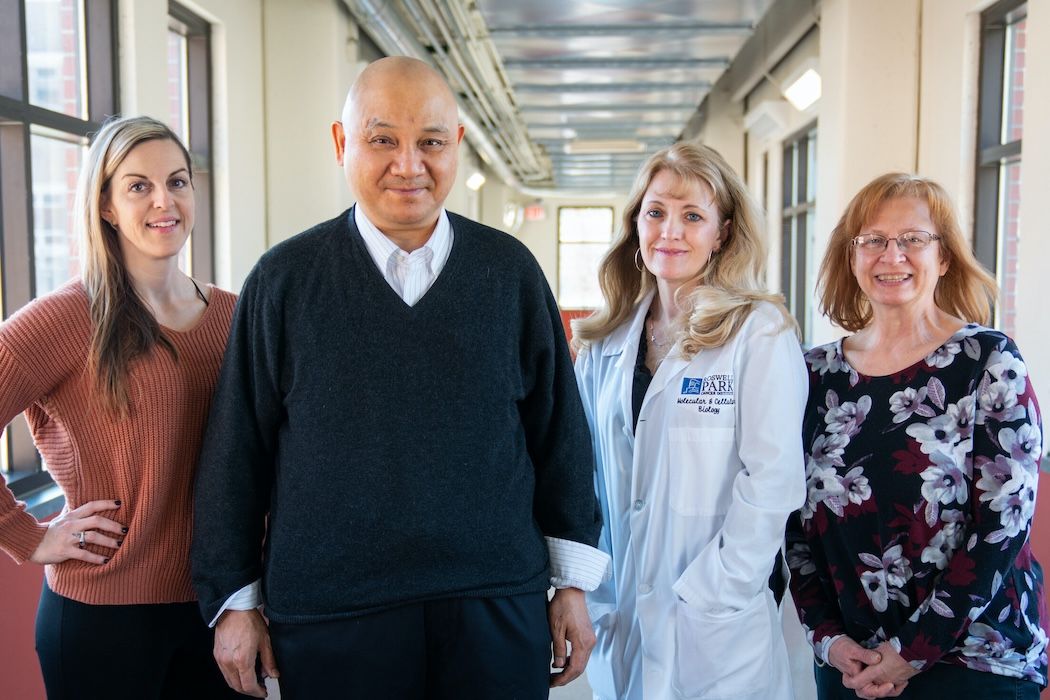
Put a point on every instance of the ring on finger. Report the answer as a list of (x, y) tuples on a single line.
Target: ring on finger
[(80, 538)]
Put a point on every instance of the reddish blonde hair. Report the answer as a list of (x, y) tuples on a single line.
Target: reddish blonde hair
[(966, 290)]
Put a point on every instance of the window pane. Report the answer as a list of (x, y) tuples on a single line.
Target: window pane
[(578, 275), (56, 164), (55, 55), (1009, 243), (585, 224), (177, 85), (1013, 82)]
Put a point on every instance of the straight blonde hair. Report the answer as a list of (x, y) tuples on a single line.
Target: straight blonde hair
[(727, 287), (966, 290), (122, 326)]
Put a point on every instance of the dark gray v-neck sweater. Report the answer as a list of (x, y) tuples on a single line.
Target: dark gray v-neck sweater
[(399, 453)]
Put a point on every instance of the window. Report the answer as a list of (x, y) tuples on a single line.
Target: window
[(1000, 124), (798, 216), (584, 234), (57, 84), (189, 116)]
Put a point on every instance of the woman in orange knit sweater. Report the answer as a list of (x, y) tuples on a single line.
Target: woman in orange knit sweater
[(114, 372)]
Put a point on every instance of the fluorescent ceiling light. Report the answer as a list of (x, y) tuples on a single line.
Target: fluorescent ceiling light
[(475, 181), (581, 146), (804, 91)]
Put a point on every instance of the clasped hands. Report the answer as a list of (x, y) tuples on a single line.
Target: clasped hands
[(871, 673)]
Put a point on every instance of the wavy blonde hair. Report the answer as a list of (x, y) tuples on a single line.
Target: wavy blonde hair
[(966, 290), (122, 327), (727, 287)]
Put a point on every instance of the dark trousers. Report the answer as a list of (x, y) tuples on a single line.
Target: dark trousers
[(940, 681), (126, 652), (461, 649)]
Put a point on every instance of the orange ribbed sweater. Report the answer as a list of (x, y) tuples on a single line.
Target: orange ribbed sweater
[(146, 461)]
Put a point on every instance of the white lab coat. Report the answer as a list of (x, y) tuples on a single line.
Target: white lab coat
[(694, 508)]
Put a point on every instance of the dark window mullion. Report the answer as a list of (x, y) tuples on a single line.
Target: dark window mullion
[(17, 223), (100, 54), (996, 153), (990, 114), (15, 110), (12, 50)]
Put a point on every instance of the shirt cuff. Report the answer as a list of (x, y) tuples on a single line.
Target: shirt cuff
[(576, 565), (248, 598), (825, 647)]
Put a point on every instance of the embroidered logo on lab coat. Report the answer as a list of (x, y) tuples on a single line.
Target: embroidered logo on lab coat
[(709, 394)]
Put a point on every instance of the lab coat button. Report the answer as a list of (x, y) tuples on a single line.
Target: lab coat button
[(645, 588), (639, 504)]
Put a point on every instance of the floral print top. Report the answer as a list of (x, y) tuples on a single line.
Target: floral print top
[(921, 488)]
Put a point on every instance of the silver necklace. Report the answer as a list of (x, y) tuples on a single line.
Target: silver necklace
[(652, 336)]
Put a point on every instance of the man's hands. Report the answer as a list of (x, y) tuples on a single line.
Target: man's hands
[(241, 637), (567, 613), (871, 673)]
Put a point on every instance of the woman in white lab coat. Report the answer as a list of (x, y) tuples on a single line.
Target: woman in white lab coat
[(694, 385)]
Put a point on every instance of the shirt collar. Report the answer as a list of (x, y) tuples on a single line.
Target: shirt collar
[(381, 247)]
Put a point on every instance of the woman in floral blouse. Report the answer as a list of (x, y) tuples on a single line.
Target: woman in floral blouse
[(912, 567)]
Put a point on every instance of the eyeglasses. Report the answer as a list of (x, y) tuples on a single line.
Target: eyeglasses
[(907, 241)]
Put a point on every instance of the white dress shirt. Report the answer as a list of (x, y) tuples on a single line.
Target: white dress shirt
[(573, 564)]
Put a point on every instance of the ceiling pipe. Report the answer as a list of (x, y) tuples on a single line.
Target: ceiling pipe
[(385, 27), (382, 24)]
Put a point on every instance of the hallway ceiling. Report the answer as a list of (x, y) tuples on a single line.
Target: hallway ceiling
[(572, 95)]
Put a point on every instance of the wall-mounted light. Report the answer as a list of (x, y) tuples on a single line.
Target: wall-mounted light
[(804, 89), (475, 181)]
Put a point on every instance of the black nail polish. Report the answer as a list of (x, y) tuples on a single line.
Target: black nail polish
[(117, 502), (120, 542), (106, 560), (123, 530)]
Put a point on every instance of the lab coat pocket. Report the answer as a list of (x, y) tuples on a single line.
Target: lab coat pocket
[(698, 459), (723, 656)]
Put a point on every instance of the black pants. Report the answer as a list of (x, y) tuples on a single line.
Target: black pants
[(940, 682), (455, 649), (125, 652)]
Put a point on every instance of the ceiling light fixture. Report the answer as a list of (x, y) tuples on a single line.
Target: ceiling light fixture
[(475, 181), (581, 146), (804, 89)]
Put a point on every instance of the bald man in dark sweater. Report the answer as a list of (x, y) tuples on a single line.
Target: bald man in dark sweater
[(397, 422)]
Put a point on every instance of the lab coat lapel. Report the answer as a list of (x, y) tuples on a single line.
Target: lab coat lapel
[(625, 341)]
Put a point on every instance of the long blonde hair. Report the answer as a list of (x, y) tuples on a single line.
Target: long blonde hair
[(966, 290), (122, 327), (727, 287)]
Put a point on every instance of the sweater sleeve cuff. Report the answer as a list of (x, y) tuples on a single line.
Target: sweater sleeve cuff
[(248, 598), (22, 534), (576, 565)]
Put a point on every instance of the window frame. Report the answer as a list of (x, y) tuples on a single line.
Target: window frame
[(561, 243), (796, 204), (991, 152), (18, 118), (197, 33)]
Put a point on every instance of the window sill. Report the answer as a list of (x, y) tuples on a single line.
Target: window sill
[(44, 502)]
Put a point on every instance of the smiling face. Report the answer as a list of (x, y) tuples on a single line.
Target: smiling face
[(149, 201), (679, 229), (398, 144), (892, 279)]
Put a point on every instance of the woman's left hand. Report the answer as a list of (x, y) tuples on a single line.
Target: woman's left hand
[(872, 681)]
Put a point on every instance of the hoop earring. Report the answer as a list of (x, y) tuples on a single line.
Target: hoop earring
[(638, 260)]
